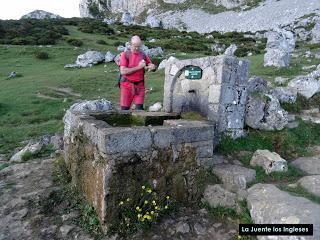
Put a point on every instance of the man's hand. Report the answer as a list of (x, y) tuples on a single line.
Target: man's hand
[(142, 64), (151, 67)]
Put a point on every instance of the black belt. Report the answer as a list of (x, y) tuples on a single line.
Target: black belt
[(135, 93)]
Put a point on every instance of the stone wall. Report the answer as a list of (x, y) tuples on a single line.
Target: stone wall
[(109, 164), (220, 94)]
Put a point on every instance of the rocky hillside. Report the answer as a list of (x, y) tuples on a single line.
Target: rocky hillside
[(204, 16), (40, 14), (93, 8)]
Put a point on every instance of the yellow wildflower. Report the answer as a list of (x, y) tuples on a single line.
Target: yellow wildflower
[(167, 197), (143, 187), (154, 202), (145, 202), (128, 199), (156, 207), (166, 207), (120, 203), (149, 190), (152, 212), (137, 208)]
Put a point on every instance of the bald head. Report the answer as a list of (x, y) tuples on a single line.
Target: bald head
[(135, 39), (135, 43)]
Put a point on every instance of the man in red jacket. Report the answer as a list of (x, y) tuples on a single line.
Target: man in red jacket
[(132, 71)]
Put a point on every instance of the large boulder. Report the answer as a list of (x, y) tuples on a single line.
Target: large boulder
[(304, 85), (217, 196), (310, 165), (33, 147), (231, 50), (234, 177), (279, 46), (269, 161), (285, 94), (126, 19), (257, 84), (100, 105), (311, 184), (154, 52), (109, 57), (153, 22), (268, 204), (90, 58), (277, 58), (218, 48), (264, 112)]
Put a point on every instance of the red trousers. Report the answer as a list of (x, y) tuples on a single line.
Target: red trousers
[(131, 92)]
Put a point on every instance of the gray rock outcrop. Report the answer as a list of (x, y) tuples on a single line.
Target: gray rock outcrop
[(31, 148), (270, 161), (34, 146), (153, 22), (231, 50), (217, 196), (311, 184), (279, 46), (234, 177), (268, 204), (264, 112), (127, 19), (92, 106), (310, 165), (40, 14), (285, 94), (257, 85), (266, 16), (90, 58), (315, 33), (304, 85), (109, 57)]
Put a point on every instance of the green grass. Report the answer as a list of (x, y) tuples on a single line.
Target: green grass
[(289, 143), (302, 103), (4, 165), (221, 213), (300, 192), (269, 73), (43, 153), (24, 115), (291, 175)]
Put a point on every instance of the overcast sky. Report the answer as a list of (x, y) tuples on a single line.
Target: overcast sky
[(14, 9)]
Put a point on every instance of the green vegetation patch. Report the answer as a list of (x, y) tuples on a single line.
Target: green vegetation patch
[(302, 103), (300, 192), (291, 175), (289, 143)]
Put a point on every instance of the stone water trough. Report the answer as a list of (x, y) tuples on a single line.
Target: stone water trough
[(111, 154)]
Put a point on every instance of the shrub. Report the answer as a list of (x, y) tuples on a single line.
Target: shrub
[(42, 55), (75, 42), (117, 43), (32, 31), (102, 42)]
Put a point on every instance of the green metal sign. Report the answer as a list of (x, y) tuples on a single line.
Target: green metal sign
[(193, 72)]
